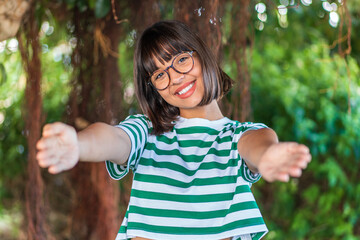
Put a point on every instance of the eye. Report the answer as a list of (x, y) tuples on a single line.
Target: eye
[(183, 59), (159, 75)]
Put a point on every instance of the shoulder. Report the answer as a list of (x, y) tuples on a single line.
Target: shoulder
[(239, 128), (137, 121), (245, 126), (141, 118), (138, 116)]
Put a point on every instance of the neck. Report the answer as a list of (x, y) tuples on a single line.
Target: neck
[(210, 112)]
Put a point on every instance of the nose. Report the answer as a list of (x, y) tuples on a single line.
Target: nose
[(175, 77)]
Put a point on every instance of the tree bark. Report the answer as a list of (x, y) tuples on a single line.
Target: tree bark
[(37, 228), (96, 81), (144, 13), (240, 96), (204, 17)]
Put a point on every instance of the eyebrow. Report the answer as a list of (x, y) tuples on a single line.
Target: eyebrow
[(163, 53), (163, 61)]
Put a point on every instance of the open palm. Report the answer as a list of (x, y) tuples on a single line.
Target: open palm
[(58, 149), (282, 160)]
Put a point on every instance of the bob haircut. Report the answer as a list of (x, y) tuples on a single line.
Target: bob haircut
[(163, 40)]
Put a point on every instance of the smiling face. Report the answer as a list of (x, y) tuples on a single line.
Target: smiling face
[(186, 90), (188, 94)]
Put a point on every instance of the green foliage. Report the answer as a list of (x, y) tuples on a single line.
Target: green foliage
[(102, 8), (300, 87), (12, 142), (306, 97), (3, 75)]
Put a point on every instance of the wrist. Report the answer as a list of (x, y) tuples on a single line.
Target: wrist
[(81, 146), (253, 146)]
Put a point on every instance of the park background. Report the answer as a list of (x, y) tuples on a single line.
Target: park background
[(295, 64)]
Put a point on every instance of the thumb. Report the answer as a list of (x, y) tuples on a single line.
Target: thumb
[(54, 169)]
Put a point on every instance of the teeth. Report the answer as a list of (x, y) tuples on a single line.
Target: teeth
[(186, 89)]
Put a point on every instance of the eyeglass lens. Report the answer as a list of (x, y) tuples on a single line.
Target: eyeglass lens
[(182, 63)]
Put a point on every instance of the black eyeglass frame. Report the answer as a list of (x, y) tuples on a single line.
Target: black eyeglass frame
[(172, 66)]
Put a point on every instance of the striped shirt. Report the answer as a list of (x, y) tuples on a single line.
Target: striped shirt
[(189, 183)]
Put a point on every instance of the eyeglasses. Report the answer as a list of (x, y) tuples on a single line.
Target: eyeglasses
[(182, 63)]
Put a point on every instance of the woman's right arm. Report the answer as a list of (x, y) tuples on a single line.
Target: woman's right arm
[(60, 147)]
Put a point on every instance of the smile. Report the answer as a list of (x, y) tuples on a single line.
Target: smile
[(185, 90)]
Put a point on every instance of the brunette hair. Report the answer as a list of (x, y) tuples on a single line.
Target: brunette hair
[(164, 40)]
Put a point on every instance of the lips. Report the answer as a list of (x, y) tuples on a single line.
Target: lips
[(186, 90)]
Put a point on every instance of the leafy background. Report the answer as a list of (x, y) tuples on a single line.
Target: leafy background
[(302, 85)]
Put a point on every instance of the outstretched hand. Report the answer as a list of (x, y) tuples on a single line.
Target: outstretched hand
[(58, 149), (284, 160)]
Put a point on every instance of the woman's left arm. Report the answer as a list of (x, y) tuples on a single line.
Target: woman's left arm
[(274, 160)]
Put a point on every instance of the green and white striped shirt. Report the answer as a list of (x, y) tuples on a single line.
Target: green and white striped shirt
[(189, 183)]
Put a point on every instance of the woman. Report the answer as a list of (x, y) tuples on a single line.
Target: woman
[(193, 167)]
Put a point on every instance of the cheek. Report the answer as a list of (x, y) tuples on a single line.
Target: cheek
[(199, 76), (166, 96), (197, 70), (197, 67)]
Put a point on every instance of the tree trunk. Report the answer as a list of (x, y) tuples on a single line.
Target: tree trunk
[(240, 97), (95, 85), (37, 228), (204, 17), (144, 13)]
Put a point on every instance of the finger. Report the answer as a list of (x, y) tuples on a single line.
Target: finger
[(296, 148), (48, 143), (48, 162), (54, 169), (297, 160), (54, 129), (295, 172), (45, 159), (283, 177), (40, 144), (302, 164), (303, 149), (302, 161)]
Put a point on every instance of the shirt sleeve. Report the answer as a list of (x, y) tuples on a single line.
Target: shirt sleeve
[(241, 128), (137, 128)]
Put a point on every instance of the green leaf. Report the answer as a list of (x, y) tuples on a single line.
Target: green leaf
[(82, 5), (70, 3), (312, 194), (3, 75), (102, 7), (92, 4)]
